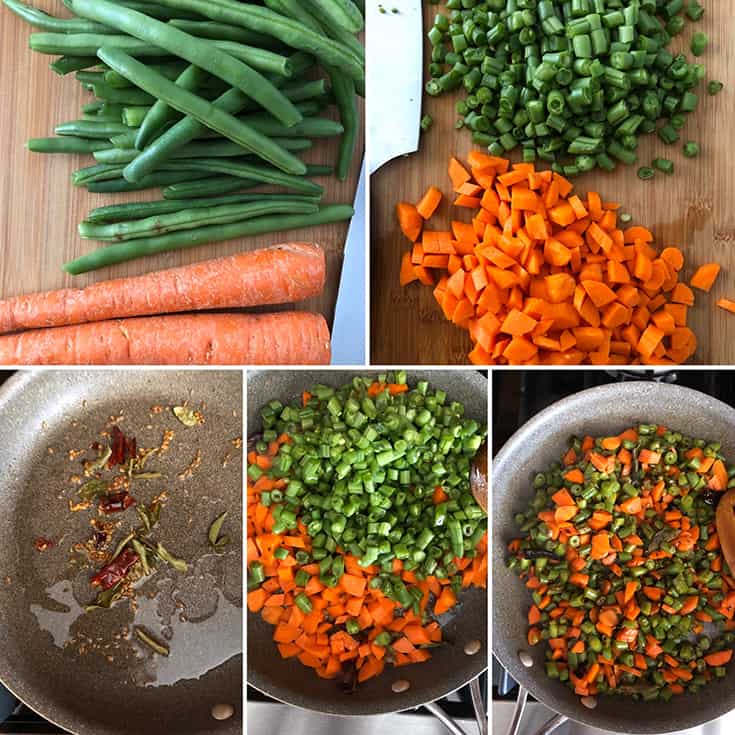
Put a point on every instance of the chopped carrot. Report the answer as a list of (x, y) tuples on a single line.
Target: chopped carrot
[(561, 279), (705, 276), (409, 220), (429, 202)]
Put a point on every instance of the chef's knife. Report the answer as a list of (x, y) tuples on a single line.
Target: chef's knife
[(348, 330), (394, 79)]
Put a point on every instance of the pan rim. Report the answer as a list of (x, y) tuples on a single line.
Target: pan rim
[(514, 667)]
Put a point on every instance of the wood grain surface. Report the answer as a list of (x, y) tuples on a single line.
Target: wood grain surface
[(40, 208), (693, 209)]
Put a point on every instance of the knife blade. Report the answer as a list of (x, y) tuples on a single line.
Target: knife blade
[(348, 330), (395, 61)]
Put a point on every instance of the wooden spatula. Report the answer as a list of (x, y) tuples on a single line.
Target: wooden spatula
[(478, 478)]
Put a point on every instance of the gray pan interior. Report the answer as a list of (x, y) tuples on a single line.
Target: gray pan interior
[(449, 668), (42, 416), (607, 409)]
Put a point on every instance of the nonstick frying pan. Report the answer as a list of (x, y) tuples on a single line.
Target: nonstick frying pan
[(76, 686), (599, 411), (449, 668)]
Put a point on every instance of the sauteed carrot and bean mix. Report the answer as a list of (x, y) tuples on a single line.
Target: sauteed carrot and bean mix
[(362, 529), (621, 553)]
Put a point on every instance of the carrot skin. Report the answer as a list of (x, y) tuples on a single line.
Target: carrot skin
[(283, 338), (280, 274)]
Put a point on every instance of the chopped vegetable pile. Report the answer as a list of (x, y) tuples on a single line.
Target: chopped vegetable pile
[(204, 100), (362, 529), (573, 82), (621, 553), (542, 276)]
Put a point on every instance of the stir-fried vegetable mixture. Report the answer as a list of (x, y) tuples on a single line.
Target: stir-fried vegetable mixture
[(621, 553), (362, 528), (573, 82)]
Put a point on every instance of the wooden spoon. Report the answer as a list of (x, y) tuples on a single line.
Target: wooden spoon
[(725, 519), (478, 478)]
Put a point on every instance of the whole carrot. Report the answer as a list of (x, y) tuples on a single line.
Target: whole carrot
[(277, 275), (284, 338)]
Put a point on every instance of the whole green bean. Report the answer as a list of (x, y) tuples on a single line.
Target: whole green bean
[(138, 210), (156, 11), (342, 14), (203, 111), (195, 50), (219, 149), (96, 173), (188, 219), (285, 29), (67, 64), (243, 169), (225, 32), (160, 114), (125, 96), (91, 129), (269, 222), (107, 113), (211, 187), (344, 93), (124, 140), (134, 116), (38, 19), (310, 127), (162, 179), (87, 44), (67, 144), (169, 70)]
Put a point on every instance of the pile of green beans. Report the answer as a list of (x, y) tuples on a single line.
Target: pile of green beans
[(361, 470), (203, 99), (674, 574), (572, 82)]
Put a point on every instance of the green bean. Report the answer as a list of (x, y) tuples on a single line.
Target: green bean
[(645, 173), (344, 92), (691, 149), (342, 14), (134, 116), (96, 173), (109, 112), (67, 144), (169, 70), (90, 129), (210, 187), (245, 170), (156, 11), (700, 41), (187, 219), (310, 127), (268, 222), (664, 164), (194, 50), (38, 19), (264, 20), (163, 178), (203, 111), (68, 64), (139, 210), (85, 44), (224, 32), (160, 114), (126, 96), (221, 149), (332, 30), (715, 87)]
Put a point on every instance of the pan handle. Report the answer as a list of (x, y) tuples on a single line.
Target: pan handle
[(479, 706), (515, 722), (444, 718)]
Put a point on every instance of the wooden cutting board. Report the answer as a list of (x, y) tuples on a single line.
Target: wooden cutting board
[(693, 209), (40, 208)]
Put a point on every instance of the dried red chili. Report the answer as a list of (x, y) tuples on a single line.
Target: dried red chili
[(123, 447), (115, 571), (116, 503), (42, 544)]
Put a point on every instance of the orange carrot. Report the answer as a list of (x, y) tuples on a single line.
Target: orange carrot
[(705, 276), (429, 202), (562, 283), (276, 275), (409, 220), (290, 338)]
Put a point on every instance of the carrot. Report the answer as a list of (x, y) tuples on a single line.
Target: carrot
[(429, 202), (409, 220), (447, 600), (719, 659), (562, 283), (276, 275), (727, 305), (290, 338), (705, 276)]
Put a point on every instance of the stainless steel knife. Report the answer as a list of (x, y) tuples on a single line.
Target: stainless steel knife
[(348, 330), (395, 70)]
